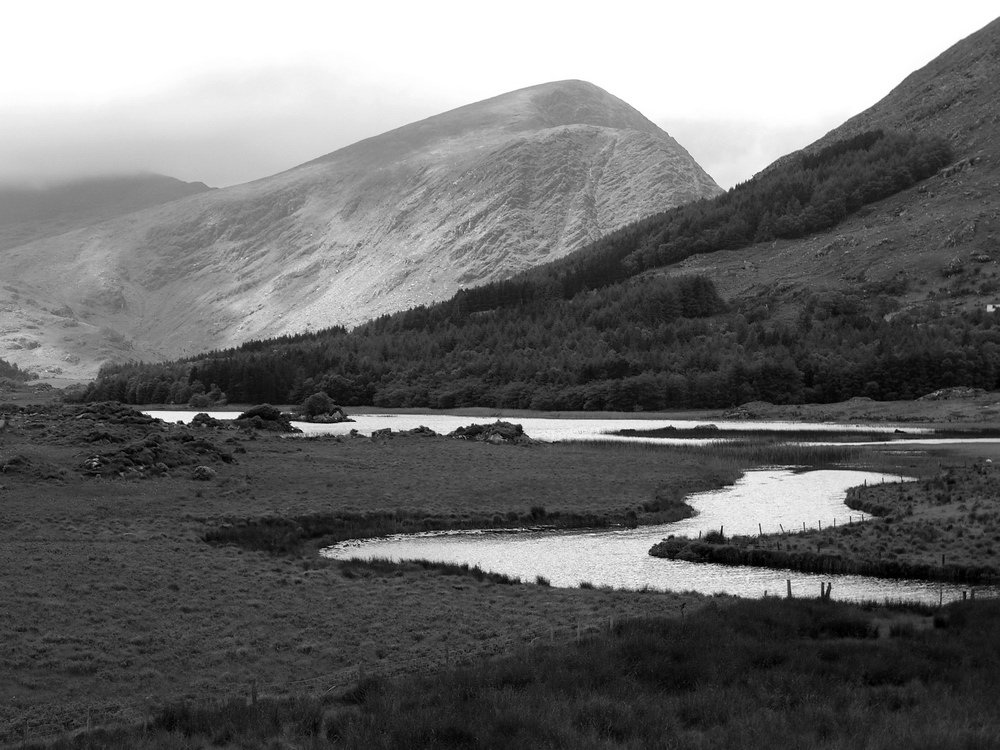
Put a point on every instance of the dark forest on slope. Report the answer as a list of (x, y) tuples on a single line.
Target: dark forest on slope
[(601, 330), (11, 371)]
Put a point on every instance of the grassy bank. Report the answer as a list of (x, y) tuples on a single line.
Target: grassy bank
[(114, 605), (942, 527), (768, 673)]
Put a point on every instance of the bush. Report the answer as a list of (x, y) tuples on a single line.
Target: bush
[(316, 404)]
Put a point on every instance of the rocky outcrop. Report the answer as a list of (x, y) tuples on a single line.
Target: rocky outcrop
[(496, 433), (265, 417)]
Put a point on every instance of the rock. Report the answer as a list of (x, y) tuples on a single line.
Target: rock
[(958, 392), (204, 421), (420, 431), (385, 432), (203, 473), (265, 417), (496, 433)]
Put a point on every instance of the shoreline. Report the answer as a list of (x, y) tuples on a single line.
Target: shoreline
[(938, 528)]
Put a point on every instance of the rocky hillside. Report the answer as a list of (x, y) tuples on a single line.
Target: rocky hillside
[(30, 213), (934, 248), (393, 221)]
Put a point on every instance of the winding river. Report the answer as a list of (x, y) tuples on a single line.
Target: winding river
[(619, 558), (773, 498)]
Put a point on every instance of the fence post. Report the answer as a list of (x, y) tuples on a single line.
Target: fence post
[(760, 531), (788, 585)]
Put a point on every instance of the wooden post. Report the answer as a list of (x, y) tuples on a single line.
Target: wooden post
[(803, 525), (788, 585), (759, 529), (820, 525), (721, 530), (782, 528)]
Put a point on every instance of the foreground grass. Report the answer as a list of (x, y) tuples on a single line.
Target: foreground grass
[(747, 674)]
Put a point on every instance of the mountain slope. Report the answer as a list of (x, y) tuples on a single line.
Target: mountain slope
[(936, 245), (30, 213), (404, 218)]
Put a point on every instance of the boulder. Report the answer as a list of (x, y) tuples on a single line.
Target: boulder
[(203, 473), (265, 417), (496, 433)]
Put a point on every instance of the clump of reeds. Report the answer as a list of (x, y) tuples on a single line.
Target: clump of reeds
[(357, 567)]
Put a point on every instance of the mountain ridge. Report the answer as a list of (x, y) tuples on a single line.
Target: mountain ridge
[(404, 218)]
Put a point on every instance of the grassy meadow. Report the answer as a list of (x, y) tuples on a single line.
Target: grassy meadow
[(748, 674), (115, 605), (131, 620)]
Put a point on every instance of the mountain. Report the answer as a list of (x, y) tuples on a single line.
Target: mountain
[(30, 213), (401, 219), (864, 265), (934, 246)]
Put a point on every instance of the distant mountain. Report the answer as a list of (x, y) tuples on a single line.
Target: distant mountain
[(404, 218), (30, 213), (864, 266)]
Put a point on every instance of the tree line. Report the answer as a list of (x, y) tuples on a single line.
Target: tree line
[(10, 371)]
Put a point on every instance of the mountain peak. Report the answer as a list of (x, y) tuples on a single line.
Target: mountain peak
[(401, 219), (490, 121)]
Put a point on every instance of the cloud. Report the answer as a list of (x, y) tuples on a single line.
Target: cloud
[(732, 151), (222, 130)]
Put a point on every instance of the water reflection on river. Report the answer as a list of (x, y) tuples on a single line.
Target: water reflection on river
[(555, 429), (619, 558)]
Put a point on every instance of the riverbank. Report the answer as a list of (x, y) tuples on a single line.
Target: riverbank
[(115, 605), (945, 527)]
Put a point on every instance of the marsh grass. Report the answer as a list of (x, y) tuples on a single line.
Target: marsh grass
[(357, 567), (764, 673), (744, 453)]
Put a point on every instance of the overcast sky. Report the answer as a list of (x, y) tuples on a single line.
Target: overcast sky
[(226, 92)]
